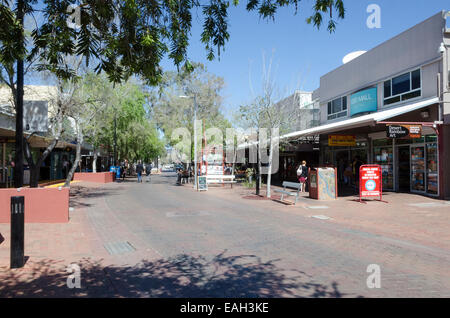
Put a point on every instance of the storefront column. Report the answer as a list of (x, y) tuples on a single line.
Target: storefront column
[(444, 158)]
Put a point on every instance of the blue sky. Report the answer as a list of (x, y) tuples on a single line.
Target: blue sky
[(301, 52)]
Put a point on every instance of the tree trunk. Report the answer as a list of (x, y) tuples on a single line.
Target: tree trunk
[(19, 155), (258, 166), (35, 168), (269, 170), (94, 162), (77, 159)]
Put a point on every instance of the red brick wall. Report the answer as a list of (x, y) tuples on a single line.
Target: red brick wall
[(99, 177), (42, 205)]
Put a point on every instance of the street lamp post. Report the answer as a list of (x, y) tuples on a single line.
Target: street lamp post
[(115, 138), (195, 139)]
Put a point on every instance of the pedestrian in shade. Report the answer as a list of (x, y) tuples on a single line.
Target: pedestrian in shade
[(302, 174), (139, 170), (148, 171)]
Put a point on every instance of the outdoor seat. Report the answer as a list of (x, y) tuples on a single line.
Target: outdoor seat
[(220, 179), (291, 185)]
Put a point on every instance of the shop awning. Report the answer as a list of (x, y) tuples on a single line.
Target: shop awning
[(365, 120)]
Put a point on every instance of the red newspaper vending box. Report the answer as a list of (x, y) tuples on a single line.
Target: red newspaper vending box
[(370, 182)]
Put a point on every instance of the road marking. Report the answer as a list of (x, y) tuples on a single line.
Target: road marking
[(317, 207), (321, 217), (187, 214), (428, 204)]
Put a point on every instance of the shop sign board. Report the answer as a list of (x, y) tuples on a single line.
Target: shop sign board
[(370, 181), (402, 131), (202, 184), (364, 101), (342, 140)]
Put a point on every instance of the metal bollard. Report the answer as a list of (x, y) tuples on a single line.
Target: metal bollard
[(17, 231)]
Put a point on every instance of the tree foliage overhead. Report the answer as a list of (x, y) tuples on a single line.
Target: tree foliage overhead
[(170, 111), (131, 37)]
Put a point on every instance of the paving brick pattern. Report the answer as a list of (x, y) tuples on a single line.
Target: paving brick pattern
[(220, 244)]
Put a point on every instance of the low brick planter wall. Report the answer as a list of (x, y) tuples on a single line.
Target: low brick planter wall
[(99, 177), (42, 205)]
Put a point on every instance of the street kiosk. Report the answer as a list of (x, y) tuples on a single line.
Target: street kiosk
[(323, 183)]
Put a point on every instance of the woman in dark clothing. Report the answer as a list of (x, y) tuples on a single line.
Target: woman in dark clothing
[(302, 174)]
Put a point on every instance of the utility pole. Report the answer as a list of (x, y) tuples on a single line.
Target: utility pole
[(258, 176), (18, 161), (195, 143)]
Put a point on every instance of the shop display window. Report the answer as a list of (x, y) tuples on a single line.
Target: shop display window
[(384, 157), (418, 168), (432, 169)]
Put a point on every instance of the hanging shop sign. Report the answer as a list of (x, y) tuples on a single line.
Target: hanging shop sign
[(370, 181), (403, 131), (341, 140), (364, 101)]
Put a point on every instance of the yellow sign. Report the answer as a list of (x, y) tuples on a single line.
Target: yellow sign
[(341, 140)]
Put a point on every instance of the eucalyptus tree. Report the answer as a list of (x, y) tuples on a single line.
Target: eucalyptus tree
[(268, 120), (171, 111)]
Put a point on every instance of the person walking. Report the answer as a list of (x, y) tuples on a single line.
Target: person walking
[(139, 170), (302, 174), (122, 170), (179, 176), (148, 171), (65, 167)]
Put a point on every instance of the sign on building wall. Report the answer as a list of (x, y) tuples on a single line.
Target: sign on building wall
[(402, 131), (364, 101), (341, 140)]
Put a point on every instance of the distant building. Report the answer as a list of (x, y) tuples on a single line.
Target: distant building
[(299, 111)]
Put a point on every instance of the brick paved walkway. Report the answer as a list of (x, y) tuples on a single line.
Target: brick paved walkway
[(160, 240)]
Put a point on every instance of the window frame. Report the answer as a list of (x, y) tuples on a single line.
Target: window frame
[(340, 114), (401, 95)]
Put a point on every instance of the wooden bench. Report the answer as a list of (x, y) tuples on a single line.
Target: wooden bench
[(220, 179), (291, 185)]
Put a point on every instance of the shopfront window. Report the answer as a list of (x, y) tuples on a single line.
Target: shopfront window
[(418, 168), (418, 140), (384, 157), (327, 155), (6, 173), (432, 168)]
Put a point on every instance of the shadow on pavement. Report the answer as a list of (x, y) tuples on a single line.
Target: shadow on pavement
[(79, 194), (180, 276)]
